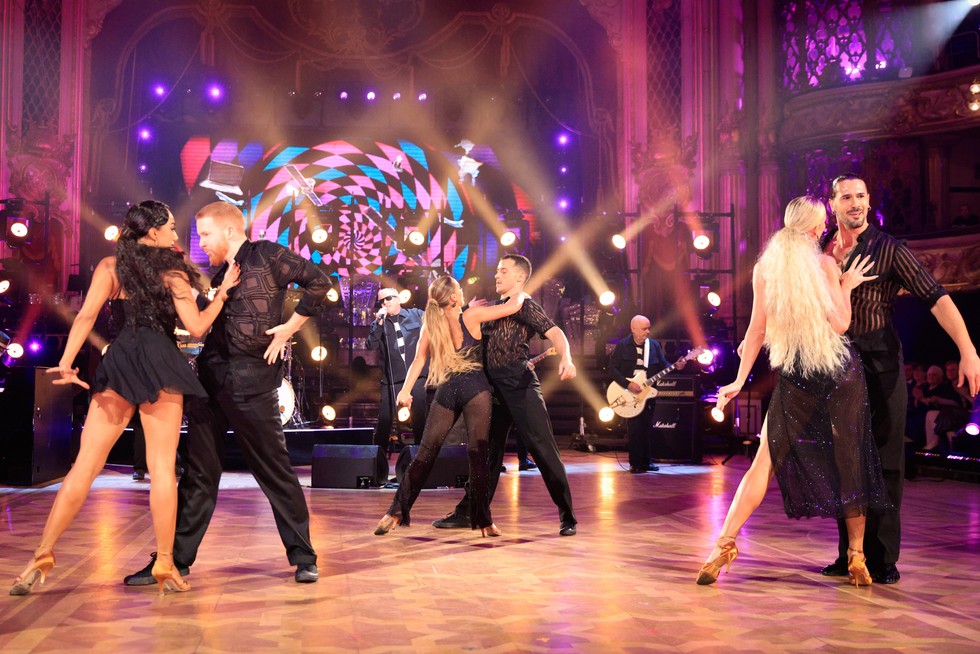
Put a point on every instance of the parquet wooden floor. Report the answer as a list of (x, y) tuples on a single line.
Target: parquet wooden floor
[(625, 583)]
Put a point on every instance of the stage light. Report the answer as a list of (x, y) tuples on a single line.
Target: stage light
[(319, 235), (333, 295), (319, 353), (396, 96), (606, 414), (142, 168), (606, 298), (508, 238), (145, 134), (4, 286), (111, 233), (619, 241), (215, 92), (328, 413), (370, 95), (563, 170), (413, 240), (717, 414), (34, 347), (713, 298), (701, 240), (974, 106), (972, 428), (416, 237), (404, 296), (704, 240), (706, 357), (343, 95), (563, 204), (563, 139), (15, 350), (404, 414), (423, 96), (159, 90), (19, 228)]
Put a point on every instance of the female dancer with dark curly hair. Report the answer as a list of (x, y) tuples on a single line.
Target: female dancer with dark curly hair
[(142, 368), (453, 340)]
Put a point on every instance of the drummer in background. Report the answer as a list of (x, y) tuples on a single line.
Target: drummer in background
[(241, 368)]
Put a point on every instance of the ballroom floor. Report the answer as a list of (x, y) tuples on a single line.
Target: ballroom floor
[(624, 583)]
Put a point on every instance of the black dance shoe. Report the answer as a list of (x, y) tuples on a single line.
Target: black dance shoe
[(887, 575), (139, 475), (306, 573), (638, 471), (454, 520), (567, 529), (527, 464), (653, 468), (836, 569), (145, 576)]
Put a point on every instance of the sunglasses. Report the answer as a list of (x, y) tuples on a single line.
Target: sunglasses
[(386, 298)]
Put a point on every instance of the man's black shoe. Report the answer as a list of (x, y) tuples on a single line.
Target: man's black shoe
[(567, 530), (145, 576), (888, 575), (637, 471), (139, 475), (653, 468), (453, 520), (836, 569), (527, 464), (306, 573)]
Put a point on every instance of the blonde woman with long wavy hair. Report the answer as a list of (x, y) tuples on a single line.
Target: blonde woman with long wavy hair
[(816, 437), (452, 340)]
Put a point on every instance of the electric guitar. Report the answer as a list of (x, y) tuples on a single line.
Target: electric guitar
[(544, 355), (629, 405)]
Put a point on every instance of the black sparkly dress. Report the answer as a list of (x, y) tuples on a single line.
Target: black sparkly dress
[(142, 361), (823, 452), (466, 394)]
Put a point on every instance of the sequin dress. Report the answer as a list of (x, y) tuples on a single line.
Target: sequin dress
[(466, 394), (823, 453), (142, 361)]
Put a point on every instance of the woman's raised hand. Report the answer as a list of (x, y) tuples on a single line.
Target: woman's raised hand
[(857, 273), (230, 281)]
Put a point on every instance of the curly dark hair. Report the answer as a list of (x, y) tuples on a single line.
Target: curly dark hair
[(141, 269)]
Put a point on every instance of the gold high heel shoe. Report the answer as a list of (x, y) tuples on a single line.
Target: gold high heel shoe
[(710, 570), (167, 577), (492, 530), (37, 572), (857, 571), (386, 524)]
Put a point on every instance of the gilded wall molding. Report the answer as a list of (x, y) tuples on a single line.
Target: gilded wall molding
[(912, 107), (952, 260)]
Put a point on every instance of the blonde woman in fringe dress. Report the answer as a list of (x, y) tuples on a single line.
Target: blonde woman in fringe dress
[(816, 437)]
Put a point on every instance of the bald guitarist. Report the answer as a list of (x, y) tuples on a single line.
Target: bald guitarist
[(638, 353)]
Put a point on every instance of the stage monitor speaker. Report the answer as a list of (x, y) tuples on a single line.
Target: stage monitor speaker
[(451, 467), (35, 442), (675, 435), (348, 466)]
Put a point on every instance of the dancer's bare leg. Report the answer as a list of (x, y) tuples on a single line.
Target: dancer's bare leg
[(108, 415), (161, 423), (750, 493)]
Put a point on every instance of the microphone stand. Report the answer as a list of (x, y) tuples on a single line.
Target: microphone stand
[(391, 384)]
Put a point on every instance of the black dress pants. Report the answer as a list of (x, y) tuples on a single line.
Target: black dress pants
[(258, 429), (888, 398), (638, 433), (518, 402)]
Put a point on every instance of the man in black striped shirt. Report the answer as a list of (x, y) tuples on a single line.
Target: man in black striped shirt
[(873, 334)]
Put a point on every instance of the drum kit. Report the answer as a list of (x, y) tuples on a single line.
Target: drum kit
[(289, 412)]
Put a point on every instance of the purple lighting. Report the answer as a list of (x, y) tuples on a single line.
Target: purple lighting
[(34, 346), (563, 139), (396, 96), (215, 92), (423, 96), (972, 428), (142, 168), (145, 134), (563, 204), (563, 170), (343, 95), (371, 95), (159, 90)]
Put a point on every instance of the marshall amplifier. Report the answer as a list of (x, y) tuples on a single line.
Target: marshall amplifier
[(677, 386), (676, 437)]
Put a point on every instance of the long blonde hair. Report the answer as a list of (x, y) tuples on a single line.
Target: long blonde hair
[(799, 335), (444, 360)]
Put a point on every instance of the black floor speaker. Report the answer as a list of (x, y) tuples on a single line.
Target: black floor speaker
[(451, 467), (675, 436), (348, 466), (35, 442)]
